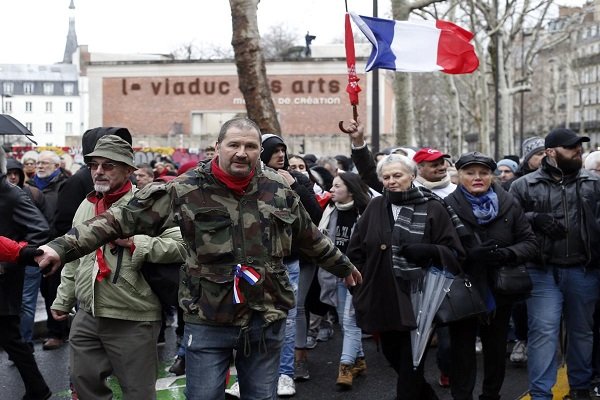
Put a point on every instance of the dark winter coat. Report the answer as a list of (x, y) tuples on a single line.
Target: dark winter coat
[(51, 195), (382, 302), (20, 220), (34, 193), (574, 201), (510, 229)]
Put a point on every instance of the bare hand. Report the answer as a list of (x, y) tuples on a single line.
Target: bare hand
[(287, 176), (59, 315), (124, 242), (356, 132), (49, 259), (355, 278)]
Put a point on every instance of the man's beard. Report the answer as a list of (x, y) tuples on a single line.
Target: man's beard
[(568, 165), (101, 187), (43, 174)]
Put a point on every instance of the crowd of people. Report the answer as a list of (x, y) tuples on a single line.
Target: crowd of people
[(275, 248)]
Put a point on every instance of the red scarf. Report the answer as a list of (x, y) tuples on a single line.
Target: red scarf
[(102, 202), (237, 185)]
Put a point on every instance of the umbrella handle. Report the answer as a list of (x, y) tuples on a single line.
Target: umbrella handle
[(354, 116)]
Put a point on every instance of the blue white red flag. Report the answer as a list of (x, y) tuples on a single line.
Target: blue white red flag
[(418, 46), (247, 273)]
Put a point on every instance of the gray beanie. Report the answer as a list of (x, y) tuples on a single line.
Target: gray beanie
[(531, 146)]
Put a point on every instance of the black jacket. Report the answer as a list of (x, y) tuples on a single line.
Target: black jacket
[(20, 220), (574, 201), (509, 229), (367, 168)]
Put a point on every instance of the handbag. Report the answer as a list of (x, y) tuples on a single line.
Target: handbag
[(462, 301), (512, 280)]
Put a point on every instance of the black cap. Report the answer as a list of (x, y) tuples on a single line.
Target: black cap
[(563, 137), (475, 157)]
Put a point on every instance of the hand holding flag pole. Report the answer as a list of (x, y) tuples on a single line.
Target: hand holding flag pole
[(353, 89)]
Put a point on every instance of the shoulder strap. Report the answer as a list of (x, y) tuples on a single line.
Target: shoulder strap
[(119, 262)]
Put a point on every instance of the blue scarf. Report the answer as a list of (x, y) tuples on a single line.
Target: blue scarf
[(41, 183), (485, 207)]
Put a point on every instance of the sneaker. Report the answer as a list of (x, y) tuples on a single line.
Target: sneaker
[(595, 392), (325, 333), (444, 380), (359, 367), (519, 352), (344, 379), (234, 390), (286, 386), (301, 370), (478, 346), (311, 342)]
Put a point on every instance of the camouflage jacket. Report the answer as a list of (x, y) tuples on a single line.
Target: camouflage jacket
[(220, 230)]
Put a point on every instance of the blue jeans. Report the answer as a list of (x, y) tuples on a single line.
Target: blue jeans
[(575, 294), (31, 287), (210, 349), (286, 361), (352, 344)]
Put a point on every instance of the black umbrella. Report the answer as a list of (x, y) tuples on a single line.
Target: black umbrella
[(11, 126)]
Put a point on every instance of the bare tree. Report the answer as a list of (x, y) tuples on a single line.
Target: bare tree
[(405, 118), (250, 63), (278, 40)]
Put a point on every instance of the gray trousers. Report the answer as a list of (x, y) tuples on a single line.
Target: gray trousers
[(101, 347)]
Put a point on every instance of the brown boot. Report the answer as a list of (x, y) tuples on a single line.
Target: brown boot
[(344, 379), (360, 367)]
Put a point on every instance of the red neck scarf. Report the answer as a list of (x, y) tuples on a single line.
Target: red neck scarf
[(237, 185), (102, 202)]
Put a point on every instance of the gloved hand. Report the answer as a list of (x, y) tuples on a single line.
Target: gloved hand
[(482, 252), (27, 254), (420, 253), (549, 226), (503, 256)]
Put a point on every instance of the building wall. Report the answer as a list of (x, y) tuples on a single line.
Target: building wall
[(183, 104)]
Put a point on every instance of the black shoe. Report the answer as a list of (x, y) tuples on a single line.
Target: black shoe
[(45, 396), (578, 394), (178, 367)]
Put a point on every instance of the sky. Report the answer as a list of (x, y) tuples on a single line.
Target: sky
[(35, 31)]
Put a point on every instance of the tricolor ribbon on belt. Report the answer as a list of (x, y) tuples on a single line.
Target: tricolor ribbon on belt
[(249, 274)]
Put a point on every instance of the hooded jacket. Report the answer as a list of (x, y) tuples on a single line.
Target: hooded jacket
[(34, 193)]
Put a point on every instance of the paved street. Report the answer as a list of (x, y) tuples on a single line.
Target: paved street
[(323, 362)]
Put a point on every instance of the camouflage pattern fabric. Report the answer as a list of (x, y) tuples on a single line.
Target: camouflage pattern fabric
[(220, 230)]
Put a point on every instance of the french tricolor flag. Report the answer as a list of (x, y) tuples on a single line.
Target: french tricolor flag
[(418, 46), (247, 273)]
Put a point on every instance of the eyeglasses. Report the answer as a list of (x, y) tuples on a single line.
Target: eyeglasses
[(43, 163), (107, 166)]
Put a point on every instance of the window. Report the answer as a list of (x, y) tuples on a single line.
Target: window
[(7, 107), (28, 106), (48, 106), (69, 128), (29, 126), (69, 89), (8, 88), (69, 106), (28, 87), (48, 88), (48, 127)]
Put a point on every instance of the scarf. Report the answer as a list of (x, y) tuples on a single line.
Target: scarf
[(237, 185), (485, 207), (42, 183), (409, 227), (102, 202), (324, 222), (434, 185)]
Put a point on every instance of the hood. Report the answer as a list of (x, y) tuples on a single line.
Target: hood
[(11, 163), (269, 142), (91, 136)]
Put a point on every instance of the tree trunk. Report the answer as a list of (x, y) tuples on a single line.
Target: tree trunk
[(250, 63)]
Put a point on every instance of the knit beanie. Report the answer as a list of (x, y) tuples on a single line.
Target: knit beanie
[(531, 146), (269, 143), (509, 163)]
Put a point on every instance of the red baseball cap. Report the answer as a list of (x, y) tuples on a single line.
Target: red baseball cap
[(427, 154)]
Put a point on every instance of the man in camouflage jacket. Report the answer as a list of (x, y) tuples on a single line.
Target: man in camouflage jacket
[(238, 222)]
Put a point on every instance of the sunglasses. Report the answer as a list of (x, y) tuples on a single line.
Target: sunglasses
[(107, 166)]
